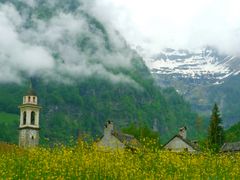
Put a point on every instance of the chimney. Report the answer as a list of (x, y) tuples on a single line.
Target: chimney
[(183, 132), (108, 128), (195, 143)]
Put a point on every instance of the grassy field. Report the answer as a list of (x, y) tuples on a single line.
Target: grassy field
[(86, 162), (8, 118), (9, 127)]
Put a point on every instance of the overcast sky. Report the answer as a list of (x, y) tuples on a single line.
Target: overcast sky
[(156, 24)]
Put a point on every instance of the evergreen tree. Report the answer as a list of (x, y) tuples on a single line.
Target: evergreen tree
[(215, 134)]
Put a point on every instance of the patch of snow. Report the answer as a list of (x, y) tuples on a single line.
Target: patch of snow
[(194, 64)]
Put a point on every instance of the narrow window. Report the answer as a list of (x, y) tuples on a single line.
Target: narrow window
[(34, 99), (24, 117), (29, 98), (32, 118)]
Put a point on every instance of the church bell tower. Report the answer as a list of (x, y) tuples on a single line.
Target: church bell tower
[(29, 120)]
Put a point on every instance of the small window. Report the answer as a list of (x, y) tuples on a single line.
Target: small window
[(32, 118), (34, 99), (24, 117), (29, 98)]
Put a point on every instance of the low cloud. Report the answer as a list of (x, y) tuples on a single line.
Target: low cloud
[(17, 56), (31, 3), (50, 48)]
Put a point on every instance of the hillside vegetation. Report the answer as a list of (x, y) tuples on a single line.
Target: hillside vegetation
[(226, 95), (233, 133), (9, 131), (96, 77)]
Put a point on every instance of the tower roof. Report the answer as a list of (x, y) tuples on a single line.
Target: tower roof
[(30, 91)]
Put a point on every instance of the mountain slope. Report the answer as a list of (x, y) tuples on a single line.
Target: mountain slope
[(205, 64), (86, 105), (203, 77), (88, 75)]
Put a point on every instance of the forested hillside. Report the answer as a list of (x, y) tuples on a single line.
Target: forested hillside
[(89, 76), (233, 133)]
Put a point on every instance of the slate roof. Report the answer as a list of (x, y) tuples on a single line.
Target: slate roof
[(230, 147), (127, 139), (184, 140), (31, 92)]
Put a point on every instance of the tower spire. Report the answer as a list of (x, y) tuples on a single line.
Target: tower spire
[(30, 84), (31, 91)]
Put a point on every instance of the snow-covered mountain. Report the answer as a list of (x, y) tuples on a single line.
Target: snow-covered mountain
[(203, 77), (206, 64)]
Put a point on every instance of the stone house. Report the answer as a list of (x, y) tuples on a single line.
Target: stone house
[(231, 147), (180, 143), (116, 140)]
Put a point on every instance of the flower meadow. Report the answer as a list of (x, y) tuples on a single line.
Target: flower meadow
[(87, 162)]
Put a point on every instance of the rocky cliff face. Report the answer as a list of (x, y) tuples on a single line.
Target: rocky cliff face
[(202, 76)]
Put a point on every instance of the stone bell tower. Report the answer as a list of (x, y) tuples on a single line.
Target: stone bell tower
[(29, 120)]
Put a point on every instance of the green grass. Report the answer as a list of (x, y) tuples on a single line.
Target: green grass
[(9, 127), (8, 118)]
